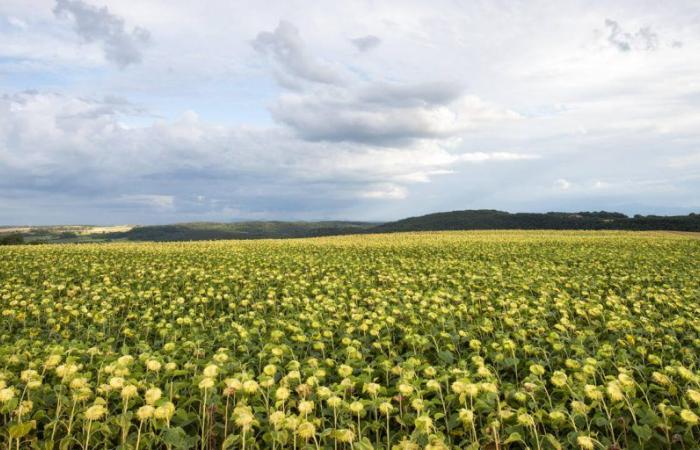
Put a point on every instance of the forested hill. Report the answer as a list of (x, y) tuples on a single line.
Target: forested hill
[(455, 220), (483, 219), (488, 219), (241, 230)]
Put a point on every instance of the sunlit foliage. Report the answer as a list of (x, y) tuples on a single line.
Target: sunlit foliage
[(544, 340)]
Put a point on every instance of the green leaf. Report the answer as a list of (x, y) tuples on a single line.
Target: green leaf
[(553, 442), (642, 431), (230, 441), (67, 443), (364, 444), (280, 436), (648, 417), (600, 421), (178, 438), (510, 362), (10, 405), (182, 418), (446, 356), (20, 430), (514, 437)]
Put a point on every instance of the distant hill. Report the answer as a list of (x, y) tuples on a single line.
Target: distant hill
[(482, 219), (60, 233), (488, 219), (240, 230)]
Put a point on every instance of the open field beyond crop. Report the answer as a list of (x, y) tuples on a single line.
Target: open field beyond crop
[(437, 340)]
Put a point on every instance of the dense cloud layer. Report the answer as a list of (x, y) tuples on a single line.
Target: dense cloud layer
[(231, 111), (53, 143)]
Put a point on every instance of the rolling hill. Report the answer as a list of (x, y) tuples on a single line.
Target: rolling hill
[(486, 219), (483, 219), (240, 230)]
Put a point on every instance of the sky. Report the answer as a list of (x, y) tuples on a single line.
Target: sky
[(163, 111)]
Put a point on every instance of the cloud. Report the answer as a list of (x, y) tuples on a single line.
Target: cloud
[(363, 110), (416, 94), (388, 191), (345, 117), (682, 162), (159, 202), (366, 43), (452, 112), (93, 24), (562, 184), (17, 22), (619, 187), (51, 143), (287, 50), (495, 156), (644, 39)]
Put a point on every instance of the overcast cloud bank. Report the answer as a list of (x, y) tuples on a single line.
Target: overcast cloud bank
[(147, 113)]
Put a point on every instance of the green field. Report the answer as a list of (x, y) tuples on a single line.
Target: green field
[(425, 340)]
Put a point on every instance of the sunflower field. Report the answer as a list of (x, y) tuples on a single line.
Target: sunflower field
[(468, 340)]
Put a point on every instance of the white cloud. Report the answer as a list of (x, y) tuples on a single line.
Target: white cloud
[(159, 202), (365, 111), (335, 118), (386, 192), (686, 161), (495, 156), (17, 22), (366, 43), (597, 187), (94, 24), (78, 143), (643, 39), (286, 48), (562, 184), (450, 108)]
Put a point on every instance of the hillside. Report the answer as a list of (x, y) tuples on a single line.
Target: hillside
[(485, 219), (240, 230), (455, 220), (196, 231), (59, 233)]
